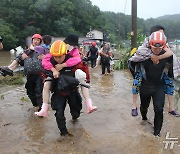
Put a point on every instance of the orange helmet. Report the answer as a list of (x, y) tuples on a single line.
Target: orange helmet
[(37, 36), (58, 48), (93, 44), (157, 39)]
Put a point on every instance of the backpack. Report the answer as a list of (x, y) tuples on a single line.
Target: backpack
[(32, 65)]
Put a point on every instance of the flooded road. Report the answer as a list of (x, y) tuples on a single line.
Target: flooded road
[(5, 58), (109, 130)]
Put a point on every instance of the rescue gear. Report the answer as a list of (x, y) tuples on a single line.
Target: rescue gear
[(94, 44), (37, 36), (58, 48), (157, 39)]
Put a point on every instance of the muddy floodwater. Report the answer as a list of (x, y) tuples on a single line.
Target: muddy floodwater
[(109, 130)]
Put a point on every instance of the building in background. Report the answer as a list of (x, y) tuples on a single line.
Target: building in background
[(85, 41)]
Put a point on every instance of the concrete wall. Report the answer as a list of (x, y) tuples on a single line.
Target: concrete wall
[(97, 35)]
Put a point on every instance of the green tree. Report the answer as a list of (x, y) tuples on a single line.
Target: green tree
[(22, 18), (9, 39)]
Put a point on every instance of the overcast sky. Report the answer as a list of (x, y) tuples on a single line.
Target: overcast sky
[(145, 8)]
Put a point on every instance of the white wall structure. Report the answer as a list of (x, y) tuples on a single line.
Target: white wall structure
[(91, 35)]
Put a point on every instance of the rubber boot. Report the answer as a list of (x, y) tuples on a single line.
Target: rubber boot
[(44, 111), (89, 107)]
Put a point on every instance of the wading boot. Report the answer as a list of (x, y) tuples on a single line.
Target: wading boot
[(44, 111), (89, 107)]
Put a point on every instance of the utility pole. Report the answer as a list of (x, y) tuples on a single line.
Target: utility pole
[(134, 24)]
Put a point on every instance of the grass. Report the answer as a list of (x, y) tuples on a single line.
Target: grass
[(17, 79), (24, 99)]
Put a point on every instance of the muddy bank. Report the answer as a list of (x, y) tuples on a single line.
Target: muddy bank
[(111, 129)]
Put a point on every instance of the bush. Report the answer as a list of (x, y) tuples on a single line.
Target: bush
[(122, 62)]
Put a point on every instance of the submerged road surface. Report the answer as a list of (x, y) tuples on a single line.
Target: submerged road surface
[(109, 130)]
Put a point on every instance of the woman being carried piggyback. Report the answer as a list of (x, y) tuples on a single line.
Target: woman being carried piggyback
[(73, 61)]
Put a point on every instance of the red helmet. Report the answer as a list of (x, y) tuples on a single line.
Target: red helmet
[(37, 36), (157, 39), (93, 44)]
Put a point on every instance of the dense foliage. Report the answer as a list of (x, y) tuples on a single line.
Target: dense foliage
[(21, 18)]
